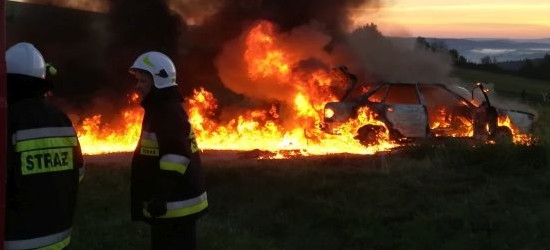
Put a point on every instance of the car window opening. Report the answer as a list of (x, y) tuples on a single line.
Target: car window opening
[(402, 94)]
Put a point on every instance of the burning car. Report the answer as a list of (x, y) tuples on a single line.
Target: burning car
[(408, 111)]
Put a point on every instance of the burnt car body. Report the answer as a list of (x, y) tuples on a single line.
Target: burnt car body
[(419, 110)]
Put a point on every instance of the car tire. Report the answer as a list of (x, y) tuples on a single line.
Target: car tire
[(503, 135), (369, 135)]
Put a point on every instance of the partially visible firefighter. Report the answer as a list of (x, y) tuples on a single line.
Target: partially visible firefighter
[(44, 161), (167, 185)]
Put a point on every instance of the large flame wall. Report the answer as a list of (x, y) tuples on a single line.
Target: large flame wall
[(289, 71), (270, 65)]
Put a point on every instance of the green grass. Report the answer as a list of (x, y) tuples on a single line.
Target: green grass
[(427, 197), (453, 197), (507, 85), (542, 130), (503, 82), (103, 215)]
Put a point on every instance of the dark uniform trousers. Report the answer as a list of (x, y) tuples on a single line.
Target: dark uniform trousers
[(173, 236)]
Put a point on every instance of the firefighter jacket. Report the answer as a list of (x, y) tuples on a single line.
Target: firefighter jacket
[(166, 165), (44, 165)]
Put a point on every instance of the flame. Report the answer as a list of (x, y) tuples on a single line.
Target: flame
[(519, 138), (285, 128), (299, 132), (263, 130), (444, 123), (122, 135), (263, 57)]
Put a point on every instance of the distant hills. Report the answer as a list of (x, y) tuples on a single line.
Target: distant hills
[(501, 49)]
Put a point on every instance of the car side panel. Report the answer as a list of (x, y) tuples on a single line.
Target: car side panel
[(410, 120)]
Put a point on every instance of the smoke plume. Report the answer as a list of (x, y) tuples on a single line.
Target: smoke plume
[(87, 5), (205, 39)]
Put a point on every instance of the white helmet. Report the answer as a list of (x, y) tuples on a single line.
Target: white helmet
[(25, 59), (159, 66)]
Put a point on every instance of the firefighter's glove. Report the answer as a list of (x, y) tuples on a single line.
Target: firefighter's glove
[(156, 207)]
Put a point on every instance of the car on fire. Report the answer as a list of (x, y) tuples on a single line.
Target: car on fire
[(408, 111)]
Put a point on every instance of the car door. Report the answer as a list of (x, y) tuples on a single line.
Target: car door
[(449, 114), (404, 110), (520, 119)]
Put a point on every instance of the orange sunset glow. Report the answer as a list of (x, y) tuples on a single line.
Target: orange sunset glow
[(460, 18), (428, 18)]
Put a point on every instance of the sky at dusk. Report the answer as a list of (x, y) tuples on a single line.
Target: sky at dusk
[(462, 18), (446, 18)]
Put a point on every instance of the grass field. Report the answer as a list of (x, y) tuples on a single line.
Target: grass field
[(453, 197), (428, 197), (507, 85)]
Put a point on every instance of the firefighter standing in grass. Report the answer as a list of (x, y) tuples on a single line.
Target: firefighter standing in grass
[(44, 158), (167, 186)]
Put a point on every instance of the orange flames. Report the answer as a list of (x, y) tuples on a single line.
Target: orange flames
[(298, 131), (96, 137), (263, 129), (286, 127), (263, 57), (443, 123), (519, 138), (266, 129)]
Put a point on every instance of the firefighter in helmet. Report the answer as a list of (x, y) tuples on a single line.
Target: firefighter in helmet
[(167, 186), (44, 162)]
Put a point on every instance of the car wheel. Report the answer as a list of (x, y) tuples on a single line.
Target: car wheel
[(503, 135), (369, 135)]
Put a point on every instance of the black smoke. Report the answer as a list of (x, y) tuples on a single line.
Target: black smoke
[(206, 41), (73, 41), (93, 51), (135, 27)]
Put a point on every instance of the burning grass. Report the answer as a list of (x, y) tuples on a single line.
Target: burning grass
[(271, 65), (291, 75), (264, 130), (426, 197)]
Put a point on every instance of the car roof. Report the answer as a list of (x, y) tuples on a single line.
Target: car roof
[(411, 83), (379, 85)]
